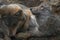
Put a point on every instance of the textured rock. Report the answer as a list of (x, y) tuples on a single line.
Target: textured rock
[(29, 3)]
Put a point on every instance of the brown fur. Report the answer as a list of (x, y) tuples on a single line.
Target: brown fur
[(12, 9)]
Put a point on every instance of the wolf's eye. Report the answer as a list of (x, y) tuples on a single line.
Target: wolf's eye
[(19, 13)]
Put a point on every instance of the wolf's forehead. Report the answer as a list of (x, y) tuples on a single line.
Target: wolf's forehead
[(12, 8)]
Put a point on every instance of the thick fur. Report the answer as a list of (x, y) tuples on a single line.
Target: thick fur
[(15, 16), (4, 31)]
